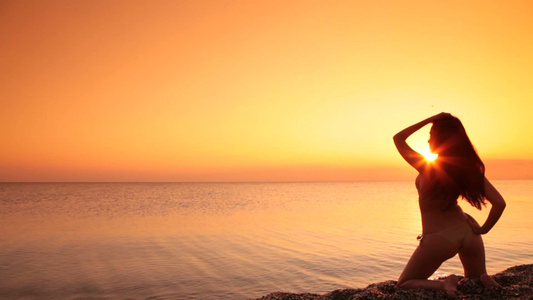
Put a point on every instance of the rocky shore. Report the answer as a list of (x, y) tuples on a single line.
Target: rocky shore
[(515, 282)]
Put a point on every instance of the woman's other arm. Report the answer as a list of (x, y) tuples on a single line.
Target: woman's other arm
[(498, 206)]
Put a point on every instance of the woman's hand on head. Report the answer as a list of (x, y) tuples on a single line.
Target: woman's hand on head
[(441, 115), (474, 224)]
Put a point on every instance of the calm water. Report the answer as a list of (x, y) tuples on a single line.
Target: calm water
[(224, 240)]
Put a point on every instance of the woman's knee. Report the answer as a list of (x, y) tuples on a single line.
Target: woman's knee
[(402, 284)]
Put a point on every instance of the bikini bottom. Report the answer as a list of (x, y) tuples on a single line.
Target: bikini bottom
[(459, 235)]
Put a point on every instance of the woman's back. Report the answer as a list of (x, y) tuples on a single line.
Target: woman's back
[(437, 211)]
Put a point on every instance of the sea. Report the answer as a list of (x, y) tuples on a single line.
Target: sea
[(225, 240)]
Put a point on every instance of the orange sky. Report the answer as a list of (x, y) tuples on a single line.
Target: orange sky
[(256, 90)]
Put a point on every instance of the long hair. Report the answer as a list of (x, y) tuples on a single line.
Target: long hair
[(458, 169)]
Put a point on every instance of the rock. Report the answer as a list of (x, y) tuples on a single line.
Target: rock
[(515, 283)]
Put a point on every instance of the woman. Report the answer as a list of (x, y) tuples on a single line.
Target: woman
[(446, 229)]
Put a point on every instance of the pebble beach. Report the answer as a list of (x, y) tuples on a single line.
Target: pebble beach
[(515, 283)]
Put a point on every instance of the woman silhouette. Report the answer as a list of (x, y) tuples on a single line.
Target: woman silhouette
[(446, 229)]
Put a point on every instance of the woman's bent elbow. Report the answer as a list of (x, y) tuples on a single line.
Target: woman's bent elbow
[(501, 205), (397, 137)]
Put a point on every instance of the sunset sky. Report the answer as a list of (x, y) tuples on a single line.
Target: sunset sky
[(257, 90)]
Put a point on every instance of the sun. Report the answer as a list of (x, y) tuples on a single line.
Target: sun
[(429, 156)]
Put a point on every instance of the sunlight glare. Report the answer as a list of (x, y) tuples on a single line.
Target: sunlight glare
[(429, 156)]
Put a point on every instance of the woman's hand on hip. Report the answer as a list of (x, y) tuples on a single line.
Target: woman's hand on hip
[(474, 224)]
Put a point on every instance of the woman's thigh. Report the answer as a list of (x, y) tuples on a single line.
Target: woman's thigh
[(473, 257), (427, 258)]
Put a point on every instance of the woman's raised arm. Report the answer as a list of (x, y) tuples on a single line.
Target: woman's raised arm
[(415, 159)]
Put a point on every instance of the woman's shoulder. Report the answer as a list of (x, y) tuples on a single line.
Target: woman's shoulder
[(426, 174)]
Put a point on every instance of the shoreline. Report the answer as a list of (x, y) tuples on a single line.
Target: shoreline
[(516, 283)]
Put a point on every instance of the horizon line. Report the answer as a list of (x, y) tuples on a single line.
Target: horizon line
[(250, 181)]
